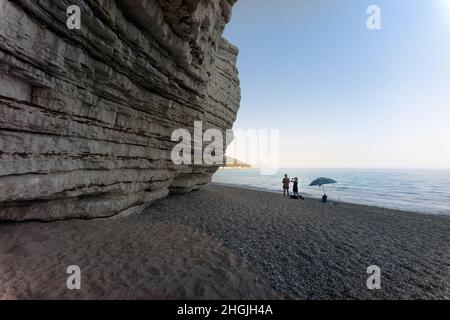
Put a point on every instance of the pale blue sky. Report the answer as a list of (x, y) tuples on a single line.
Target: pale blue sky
[(342, 95)]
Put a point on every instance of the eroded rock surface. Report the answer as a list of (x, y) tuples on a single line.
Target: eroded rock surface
[(86, 116)]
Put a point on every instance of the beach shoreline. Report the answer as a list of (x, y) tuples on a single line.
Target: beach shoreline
[(331, 201), (413, 190), (231, 243)]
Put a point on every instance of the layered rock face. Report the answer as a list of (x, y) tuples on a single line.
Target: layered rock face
[(86, 116)]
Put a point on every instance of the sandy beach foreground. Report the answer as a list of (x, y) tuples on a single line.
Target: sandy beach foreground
[(229, 243)]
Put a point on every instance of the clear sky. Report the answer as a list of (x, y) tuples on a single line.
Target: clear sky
[(344, 96)]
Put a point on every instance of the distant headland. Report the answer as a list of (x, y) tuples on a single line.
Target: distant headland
[(232, 163)]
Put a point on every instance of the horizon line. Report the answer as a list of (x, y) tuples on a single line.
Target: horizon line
[(357, 168)]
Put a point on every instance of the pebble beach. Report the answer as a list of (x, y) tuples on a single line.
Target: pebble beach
[(230, 243)]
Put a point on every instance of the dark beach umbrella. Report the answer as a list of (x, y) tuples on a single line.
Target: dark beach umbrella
[(321, 182)]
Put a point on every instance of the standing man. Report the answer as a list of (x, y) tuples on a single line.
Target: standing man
[(286, 182)]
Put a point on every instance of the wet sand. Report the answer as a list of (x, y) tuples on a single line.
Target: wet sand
[(230, 243)]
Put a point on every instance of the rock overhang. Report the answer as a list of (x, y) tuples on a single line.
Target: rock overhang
[(86, 115)]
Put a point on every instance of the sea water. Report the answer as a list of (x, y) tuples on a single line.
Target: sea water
[(426, 191)]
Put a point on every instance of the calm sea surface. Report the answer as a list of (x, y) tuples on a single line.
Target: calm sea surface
[(426, 191)]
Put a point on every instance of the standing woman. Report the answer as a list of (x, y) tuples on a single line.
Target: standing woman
[(295, 188), (286, 182)]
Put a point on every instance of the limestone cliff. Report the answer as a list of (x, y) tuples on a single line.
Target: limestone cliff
[(86, 115)]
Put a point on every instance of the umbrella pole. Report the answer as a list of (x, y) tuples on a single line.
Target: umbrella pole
[(323, 188)]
